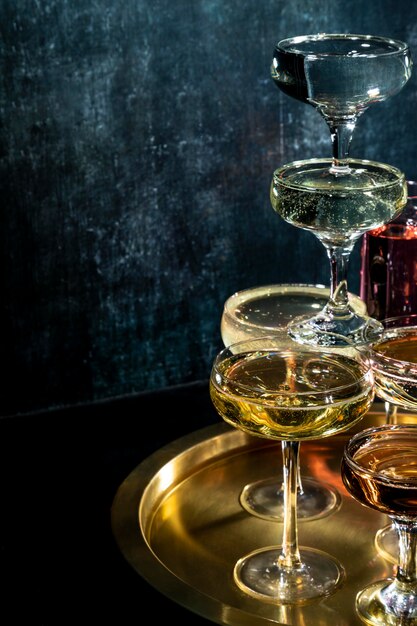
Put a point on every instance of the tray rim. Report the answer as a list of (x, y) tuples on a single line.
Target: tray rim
[(127, 529)]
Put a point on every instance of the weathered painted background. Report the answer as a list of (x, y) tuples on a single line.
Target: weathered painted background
[(138, 140)]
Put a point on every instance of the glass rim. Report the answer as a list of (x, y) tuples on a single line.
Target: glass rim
[(291, 42), (274, 288), (365, 434), (383, 358), (285, 349), (280, 174), (393, 318)]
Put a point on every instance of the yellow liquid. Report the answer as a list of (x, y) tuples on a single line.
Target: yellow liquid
[(242, 394), (338, 209)]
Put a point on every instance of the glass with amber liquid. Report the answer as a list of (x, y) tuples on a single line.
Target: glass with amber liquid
[(394, 361), (379, 469), (283, 390)]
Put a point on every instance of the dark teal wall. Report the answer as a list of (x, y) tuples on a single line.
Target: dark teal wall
[(138, 140)]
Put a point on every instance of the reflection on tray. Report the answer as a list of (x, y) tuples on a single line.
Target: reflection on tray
[(184, 499)]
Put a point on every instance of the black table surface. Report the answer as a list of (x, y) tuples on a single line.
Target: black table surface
[(60, 470)]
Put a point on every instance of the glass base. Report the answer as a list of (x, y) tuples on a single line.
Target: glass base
[(265, 499), (375, 605), (325, 330), (386, 543), (260, 575)]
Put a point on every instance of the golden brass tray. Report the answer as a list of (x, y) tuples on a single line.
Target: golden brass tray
[(178, 521)]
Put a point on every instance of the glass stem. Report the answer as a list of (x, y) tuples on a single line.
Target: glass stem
[(397, 594), (341, 132), (390, 413), (339, 261), (290, 555), (300, 489), (407, 566)]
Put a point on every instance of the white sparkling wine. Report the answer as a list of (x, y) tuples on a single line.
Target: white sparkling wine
[(338, 209), (296, 396)]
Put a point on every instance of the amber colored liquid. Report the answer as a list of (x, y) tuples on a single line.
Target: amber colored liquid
[(402, 348), (396, 382), (392, 487), (389, 271), (267, 409)]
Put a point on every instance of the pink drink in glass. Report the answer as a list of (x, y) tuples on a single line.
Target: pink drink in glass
[(388, 281)]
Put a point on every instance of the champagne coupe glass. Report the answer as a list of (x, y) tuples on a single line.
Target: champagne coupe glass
[(287, 391), (341, 75), (337, 210), (339, 199), (250, 313), (379, 469), (394, 362)]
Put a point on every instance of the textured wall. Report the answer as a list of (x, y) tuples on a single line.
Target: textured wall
[(138, 141)]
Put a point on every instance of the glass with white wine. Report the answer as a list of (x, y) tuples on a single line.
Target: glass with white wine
[(337, 210), (290, 392), (250, 313)]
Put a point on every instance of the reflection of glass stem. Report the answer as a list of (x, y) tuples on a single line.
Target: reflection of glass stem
[(390, 413)]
